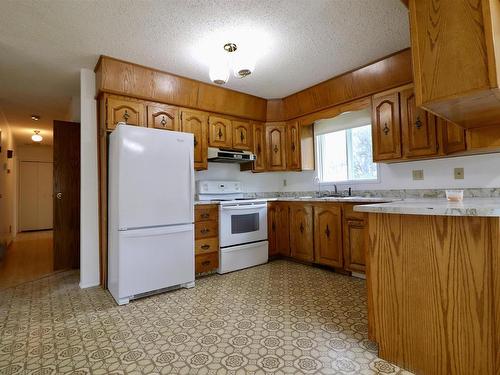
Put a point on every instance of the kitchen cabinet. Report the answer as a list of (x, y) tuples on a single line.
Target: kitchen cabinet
[(456, 59), (162, 116), (276, 146), (453, 137), (386, 127), (293, 146), (354, 241), (242, 135), (220, 132), (328, 234), (278, 228), (259, 147), (301, 232), (196, 122), (206, 238), (418, 127), (129, 111)]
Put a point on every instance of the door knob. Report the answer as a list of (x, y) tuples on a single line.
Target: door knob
[(59, 195)]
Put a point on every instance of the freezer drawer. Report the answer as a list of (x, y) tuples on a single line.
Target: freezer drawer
[(242, 256), (152, 259)]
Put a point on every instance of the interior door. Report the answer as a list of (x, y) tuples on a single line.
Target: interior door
[(66, 195)]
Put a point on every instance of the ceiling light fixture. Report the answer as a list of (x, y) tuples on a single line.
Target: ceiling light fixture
[(35, 117), (242, 64), (36, 137)]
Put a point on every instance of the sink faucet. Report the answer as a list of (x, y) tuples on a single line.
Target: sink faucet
[(335, 188)]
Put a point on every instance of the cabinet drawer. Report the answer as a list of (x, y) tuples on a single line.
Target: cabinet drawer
[(206, 229), (349, 213), (206, 245), (206, 212), (206, 262)]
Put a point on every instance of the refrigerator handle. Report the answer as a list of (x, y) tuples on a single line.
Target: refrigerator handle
[(191, 183)]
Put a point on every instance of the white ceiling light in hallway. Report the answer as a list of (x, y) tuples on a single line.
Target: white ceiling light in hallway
[(242, 63), (36, 137)]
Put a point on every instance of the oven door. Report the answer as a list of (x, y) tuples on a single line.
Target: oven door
[(242, 223)]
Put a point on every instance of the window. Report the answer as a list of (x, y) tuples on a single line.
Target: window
[(345, 154)]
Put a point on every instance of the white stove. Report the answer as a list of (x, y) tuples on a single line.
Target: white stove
[(242, 225)]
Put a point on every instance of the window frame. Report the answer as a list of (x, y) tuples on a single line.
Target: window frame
[(318, 160)]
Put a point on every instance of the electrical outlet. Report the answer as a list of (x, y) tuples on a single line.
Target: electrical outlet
[(418, 174), (458, 173)]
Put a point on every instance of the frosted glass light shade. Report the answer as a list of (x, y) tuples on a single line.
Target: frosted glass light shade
[(219, 72)]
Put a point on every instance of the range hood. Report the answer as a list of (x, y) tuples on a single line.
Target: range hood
[(220, 155)]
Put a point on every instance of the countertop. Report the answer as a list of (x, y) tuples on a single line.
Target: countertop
[(314, 199), (489, 207)]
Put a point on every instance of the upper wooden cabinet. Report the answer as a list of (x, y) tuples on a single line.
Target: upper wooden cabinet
[(242, 135), (328, 234), (386, 127), (293, 146), (129, 111), (220, 132), (259, 146), (301, 231), (456, 59), (418, 127), (453, 137), (276, 146), (196, 122), (162, 116)]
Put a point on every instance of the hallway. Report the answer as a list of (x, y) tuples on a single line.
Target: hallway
[(28, 258)]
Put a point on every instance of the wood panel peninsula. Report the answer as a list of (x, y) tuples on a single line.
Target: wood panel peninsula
[(433, 280)]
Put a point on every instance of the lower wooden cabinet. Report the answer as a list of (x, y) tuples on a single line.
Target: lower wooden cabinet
[(206, 247), (301, 232), (278, 228), (328, 235)]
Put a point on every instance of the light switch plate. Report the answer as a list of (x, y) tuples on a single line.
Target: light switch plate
[(458, 173), (418, 174)]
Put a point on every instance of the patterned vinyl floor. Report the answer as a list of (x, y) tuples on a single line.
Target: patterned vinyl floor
[(279, 318)]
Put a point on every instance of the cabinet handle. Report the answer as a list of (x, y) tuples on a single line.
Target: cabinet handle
[(301, 228), (205, 230), (276, 149), (205, 247), (418, 123), (195, 141), (386, 129), (327, 231), (205, 215), (126, 116), (242, 137), (205, 263), (220, 133), (163, 122), (258, 149), (273, 226), (293, 146)]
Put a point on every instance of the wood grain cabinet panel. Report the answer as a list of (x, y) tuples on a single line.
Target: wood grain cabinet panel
[(355, 232), (456, 59), (206, 245), (301, 232), (164, 117), (276, 146), (196, 122), (278, 229), (118, 109), (242, 135), (206, 212), (328, 235), (386, 127), (418, 127), (259, 147), (206, 262), (220, 132), (293, 151), (453, 138), (272, 229)]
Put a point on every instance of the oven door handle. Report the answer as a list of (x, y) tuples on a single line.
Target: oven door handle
[(244, 207)]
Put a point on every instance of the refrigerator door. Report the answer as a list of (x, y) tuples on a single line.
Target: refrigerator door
[(155, 177), (155, 258)]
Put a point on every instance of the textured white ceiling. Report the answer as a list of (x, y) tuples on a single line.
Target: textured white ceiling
[(43, 44)]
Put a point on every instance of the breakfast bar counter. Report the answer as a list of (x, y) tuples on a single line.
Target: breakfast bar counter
[(433, 280)]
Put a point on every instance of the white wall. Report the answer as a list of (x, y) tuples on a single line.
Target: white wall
[(35, 153), (8, 183), (480, 171), (89, 200)]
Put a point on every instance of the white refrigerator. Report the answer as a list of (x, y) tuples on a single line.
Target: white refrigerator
[(150, 212)]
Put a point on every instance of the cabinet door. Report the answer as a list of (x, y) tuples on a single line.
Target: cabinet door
[(301, 232), (276, 146), (242, 135), (259, 139), (283, 229), (272, 229), (386, 127), (196, 123), (328, 235), (219, 132), (293, 146), (418, 127), (162, 116), (453, 137), (123, 110), (355, 245)]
